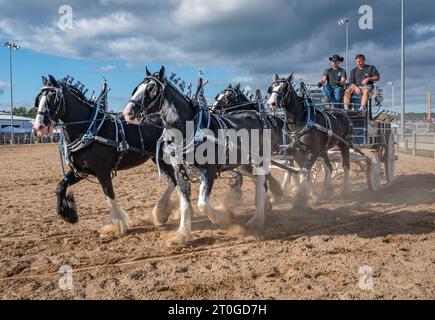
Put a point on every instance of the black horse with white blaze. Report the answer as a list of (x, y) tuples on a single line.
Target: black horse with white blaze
[(313, 132), (232, 100), (155, 93), (113, 145)]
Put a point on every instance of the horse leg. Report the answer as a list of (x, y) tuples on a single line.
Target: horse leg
[(261, 202), (207, 181), (119, 221), (285, 181), (304, 187), (235, 193), (66, 207), (183, 235), (164, 206), (275, 188), (327, 188), (290, 179), (346, 188)]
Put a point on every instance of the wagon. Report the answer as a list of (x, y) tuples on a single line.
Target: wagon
[(373, 141)]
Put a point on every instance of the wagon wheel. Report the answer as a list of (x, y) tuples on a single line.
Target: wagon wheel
[(374, 171), (389, 158)]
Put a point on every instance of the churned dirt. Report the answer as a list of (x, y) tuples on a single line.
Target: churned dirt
[(365, 246)]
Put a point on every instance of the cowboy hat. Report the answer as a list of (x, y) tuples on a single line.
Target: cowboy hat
[(336, 57)]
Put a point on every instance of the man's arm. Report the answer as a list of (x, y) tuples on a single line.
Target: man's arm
[(343, 78), (323, 79), (374, 76)]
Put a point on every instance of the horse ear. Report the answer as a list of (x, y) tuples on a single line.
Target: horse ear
[(161, 73), (147, 71), (230, 86), (44, 80), (290, 78), (276, 77), (52, 80), (238, 87)]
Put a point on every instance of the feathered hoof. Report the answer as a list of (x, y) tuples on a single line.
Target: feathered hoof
[(178, 240), (115, 229), (255, 223), (160, 217), (70, 216), (68, 210)]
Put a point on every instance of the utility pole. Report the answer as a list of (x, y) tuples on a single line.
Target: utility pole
[(11, 46)]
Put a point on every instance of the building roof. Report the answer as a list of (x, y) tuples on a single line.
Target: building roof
[(8, 117)]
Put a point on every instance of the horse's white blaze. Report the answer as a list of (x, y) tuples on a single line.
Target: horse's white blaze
[(39, 126), (219, 98), (127, 110), (118, 217), (272, 102)]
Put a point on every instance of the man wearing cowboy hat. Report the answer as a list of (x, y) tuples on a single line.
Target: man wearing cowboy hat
[(362, 79), (335, 78)]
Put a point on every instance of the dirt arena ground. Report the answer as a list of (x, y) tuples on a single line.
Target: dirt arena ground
[(317, 253)]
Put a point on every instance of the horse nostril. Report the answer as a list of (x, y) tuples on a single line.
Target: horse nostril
[(273, 104)]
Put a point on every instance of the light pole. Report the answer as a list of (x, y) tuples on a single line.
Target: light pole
[(340, 23), (391, 83), (11, 45), (402, 73)]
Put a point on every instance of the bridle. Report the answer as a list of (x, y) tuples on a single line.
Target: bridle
[(233, 104), (283, 97), (219, 104), (140, 102), (287, 98), (59, 103)]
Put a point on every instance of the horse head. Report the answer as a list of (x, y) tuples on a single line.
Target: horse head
[(50, 104), (229, 98), (279, 92), (146, 96)]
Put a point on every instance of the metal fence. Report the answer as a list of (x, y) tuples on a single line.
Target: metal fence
[(418, 144)]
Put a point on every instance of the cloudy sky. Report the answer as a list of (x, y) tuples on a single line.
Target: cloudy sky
[(245, 41)]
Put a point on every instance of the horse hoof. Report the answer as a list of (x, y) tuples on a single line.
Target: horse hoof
[(178, 240), (160, 218), (116, 229), (71, 217), (255, 223)]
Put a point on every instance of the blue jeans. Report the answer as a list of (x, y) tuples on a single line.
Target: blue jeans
[(334, 94)]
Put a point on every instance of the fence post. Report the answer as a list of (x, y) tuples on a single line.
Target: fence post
[(414, 143), (434, 146)]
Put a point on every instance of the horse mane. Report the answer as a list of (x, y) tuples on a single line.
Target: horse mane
[(77, 93), (170, 84)]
